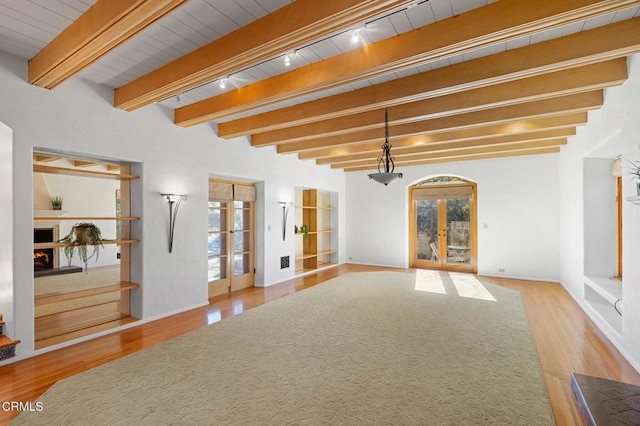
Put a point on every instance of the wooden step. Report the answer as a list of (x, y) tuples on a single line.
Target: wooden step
[(57, 297), (7, 347), (6, 342)]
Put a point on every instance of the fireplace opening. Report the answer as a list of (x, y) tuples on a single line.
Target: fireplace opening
[(45, 262), (43, 259)]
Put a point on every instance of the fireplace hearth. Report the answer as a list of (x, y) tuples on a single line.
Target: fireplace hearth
[(45, 262)]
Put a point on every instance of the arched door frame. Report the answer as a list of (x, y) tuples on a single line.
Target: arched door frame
[(442, 263)]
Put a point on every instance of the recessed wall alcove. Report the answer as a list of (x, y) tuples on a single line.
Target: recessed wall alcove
[(602, 284), (73, 299)]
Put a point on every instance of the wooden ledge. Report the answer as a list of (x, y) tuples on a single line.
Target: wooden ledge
[(57, 297), (6, 342)]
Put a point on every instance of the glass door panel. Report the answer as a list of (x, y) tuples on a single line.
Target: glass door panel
[(230, 245), (443, 229), (427, 230), (458, 230), (242, 245), (217, 248)]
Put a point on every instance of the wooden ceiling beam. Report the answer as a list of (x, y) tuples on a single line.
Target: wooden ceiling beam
[(497, 22), (43, 158), (102, 28), (559, 83), (470, 157), (526, 111), (402, 152), (84, 163), (448, 153), (286, 29), (517, 127), (598, 44)]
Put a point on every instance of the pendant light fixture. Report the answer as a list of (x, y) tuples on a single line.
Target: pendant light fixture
[(385, 162)]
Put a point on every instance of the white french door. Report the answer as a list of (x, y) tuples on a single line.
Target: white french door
[(230, 242)]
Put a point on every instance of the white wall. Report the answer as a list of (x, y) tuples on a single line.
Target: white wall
[(611, 131), (6, 226), (78, 118), (600, 218), (517, 215)]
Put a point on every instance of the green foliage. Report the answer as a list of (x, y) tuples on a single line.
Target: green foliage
[(56, 201), (458, 209), (80, 238), (305, 231)]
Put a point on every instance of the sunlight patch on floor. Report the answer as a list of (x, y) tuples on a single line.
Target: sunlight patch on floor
[(429, 281), (238, 307), (468, 286), (214, 316)]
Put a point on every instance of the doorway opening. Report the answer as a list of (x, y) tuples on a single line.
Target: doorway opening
[(231, 236), (443, 224)]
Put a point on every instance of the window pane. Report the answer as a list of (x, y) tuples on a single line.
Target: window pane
[(241, 242), (241, 264), (216, 216), (238, 220), (458, 235), (241, 219), (217, 269), (217, 244), (427, 227)]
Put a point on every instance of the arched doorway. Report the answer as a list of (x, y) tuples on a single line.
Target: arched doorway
[(443, 224)]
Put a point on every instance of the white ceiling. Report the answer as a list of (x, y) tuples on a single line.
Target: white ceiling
[(26, 26)]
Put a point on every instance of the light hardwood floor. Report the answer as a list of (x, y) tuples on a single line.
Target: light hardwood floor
[(565, 339)]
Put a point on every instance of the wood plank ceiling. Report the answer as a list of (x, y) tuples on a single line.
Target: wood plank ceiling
[(461, 79)]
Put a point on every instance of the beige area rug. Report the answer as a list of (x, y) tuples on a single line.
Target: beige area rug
[(366, 348)]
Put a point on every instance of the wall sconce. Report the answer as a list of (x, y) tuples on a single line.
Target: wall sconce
[(285, 212), (174, 203)]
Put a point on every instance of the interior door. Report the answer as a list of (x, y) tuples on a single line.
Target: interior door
[(241, 246), (230, 244), (443, 227)]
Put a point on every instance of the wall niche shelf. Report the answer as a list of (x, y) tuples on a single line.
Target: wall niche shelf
[(316, 209), (601, 295), (80, 304)]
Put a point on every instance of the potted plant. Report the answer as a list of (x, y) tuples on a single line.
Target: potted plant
[(56, 202), (305, 230), (634, 172), (81, 236)]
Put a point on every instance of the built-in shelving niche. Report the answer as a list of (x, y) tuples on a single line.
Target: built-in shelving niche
[(602, 293), (316, 249), (69, 301)]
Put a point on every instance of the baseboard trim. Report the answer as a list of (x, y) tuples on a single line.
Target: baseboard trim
[(379, 265), (521, 278), (605, 328)]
